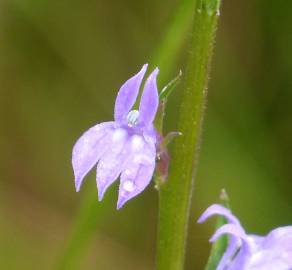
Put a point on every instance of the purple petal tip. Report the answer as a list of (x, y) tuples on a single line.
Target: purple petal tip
[(121, 202), (101, 192), (154, 73), (156, 70), (201, 219), (143, 69), (214, 237), (77, 184), (217, 209)]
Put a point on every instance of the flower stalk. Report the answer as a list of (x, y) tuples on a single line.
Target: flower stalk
[(175, 195)]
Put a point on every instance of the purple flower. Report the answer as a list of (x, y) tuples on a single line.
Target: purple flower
[(125, 147), (251, 252)]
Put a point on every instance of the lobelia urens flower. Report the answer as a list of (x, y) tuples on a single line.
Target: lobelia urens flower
[(125, 147), (251, 252)]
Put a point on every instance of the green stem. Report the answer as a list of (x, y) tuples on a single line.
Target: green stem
[(175, 194)]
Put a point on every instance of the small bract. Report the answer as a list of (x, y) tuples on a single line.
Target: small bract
[(125, 147), (251, 252)]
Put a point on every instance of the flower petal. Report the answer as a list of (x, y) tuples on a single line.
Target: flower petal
[(270, 259), (229, 253), (241, 259), (127, 95), (111, 163), (238, 235), (149, 100), (217, 209), (279, 238), (88, 149), (252, 252), (256, 240), (232, 229), (138, 171), (275, 250)]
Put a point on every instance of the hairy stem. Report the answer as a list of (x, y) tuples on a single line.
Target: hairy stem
[(175, 195)]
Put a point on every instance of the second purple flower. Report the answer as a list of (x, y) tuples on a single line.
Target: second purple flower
[(248, 251), (125, 147)]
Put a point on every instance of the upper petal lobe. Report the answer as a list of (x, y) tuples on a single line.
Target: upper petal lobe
[(217, 209), (149, 100), (127, 95)]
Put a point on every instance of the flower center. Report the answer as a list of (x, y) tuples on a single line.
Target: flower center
[(132, 118)]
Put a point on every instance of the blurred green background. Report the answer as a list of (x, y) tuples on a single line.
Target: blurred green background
[(61, 64)]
